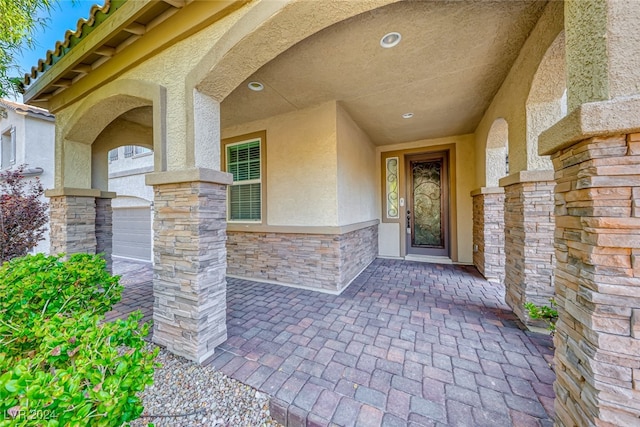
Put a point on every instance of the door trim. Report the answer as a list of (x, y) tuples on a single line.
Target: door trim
[(453, 212), (445, 249)]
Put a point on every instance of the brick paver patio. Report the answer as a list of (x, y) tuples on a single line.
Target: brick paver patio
[(407, 344)]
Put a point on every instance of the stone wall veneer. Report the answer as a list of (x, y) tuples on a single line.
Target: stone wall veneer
[(321, 261), (189, 283), (529, 226), (597, 244), (488, 233), (104, 229)]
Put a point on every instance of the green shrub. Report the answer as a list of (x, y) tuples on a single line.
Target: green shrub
[(546, 313), (60, 363)]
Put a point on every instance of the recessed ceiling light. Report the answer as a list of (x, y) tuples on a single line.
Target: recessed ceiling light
[(256, 86), (390, 40), (407, 115)]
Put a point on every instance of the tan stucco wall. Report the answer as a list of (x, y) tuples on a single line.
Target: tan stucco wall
[(167, 69), (389, 239), (301, 166), (461, 207), (356, 172), (181, 67), (509, 103)]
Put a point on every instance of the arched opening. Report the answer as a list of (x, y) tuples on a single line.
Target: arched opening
[(133, 128), (128, 144), (547, 101), (121, 155), (331, 98), (497, 152), (124, 113)]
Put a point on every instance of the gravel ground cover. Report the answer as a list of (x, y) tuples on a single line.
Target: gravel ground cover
[(187, 394)]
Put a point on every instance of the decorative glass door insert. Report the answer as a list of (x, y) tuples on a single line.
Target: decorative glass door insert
[(427, 211), (427, 206)]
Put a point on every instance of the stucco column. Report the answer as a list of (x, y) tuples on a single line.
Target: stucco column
[(189, 284), (206, 131), (488, 232), (72, 220), (602, 50), (529, 252), (104, 226)]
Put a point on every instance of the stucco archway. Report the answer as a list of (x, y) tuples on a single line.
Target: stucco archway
[(104, 112), (497, 152), (264, 32), (121, 112), (267, 30)]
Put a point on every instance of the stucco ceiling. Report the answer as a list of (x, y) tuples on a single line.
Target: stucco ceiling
[(451, 61)]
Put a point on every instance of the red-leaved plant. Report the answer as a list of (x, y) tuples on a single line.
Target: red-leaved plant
[(23, 215)]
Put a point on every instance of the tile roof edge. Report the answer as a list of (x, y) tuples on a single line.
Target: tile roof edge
[(60, 44), (18, 107)]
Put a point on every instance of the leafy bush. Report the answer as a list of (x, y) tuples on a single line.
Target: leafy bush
[(60, 364), (546, 313), (37, 287), (23, 214)]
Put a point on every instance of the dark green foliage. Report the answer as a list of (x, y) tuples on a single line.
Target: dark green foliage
[(18, 20)]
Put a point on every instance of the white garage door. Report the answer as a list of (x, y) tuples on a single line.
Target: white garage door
[(132, 233)]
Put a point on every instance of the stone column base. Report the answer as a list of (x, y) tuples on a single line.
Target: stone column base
[(189, 284), (72, 218), (598, 282), (488, 232), (529, 226), (104, 227)]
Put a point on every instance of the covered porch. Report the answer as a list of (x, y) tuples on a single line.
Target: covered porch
[(336, 119), (407, 343)]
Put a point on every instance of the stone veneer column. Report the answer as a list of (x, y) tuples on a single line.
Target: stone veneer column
[(189, 284), (598, 282), (72, 219), (529, 226), (104, 227), (488, 232)]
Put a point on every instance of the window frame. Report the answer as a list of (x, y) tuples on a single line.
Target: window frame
[(140, 151), (237, 140), (10, 132)]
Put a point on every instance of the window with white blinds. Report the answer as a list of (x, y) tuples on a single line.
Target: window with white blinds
[(245, 194)]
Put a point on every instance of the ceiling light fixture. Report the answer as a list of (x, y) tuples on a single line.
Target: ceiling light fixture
[(407, 115), (390, 40), (256, 86)]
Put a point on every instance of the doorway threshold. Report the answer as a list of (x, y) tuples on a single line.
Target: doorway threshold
[(429, 259)]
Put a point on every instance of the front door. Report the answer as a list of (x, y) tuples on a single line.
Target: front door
[(427, 205)]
